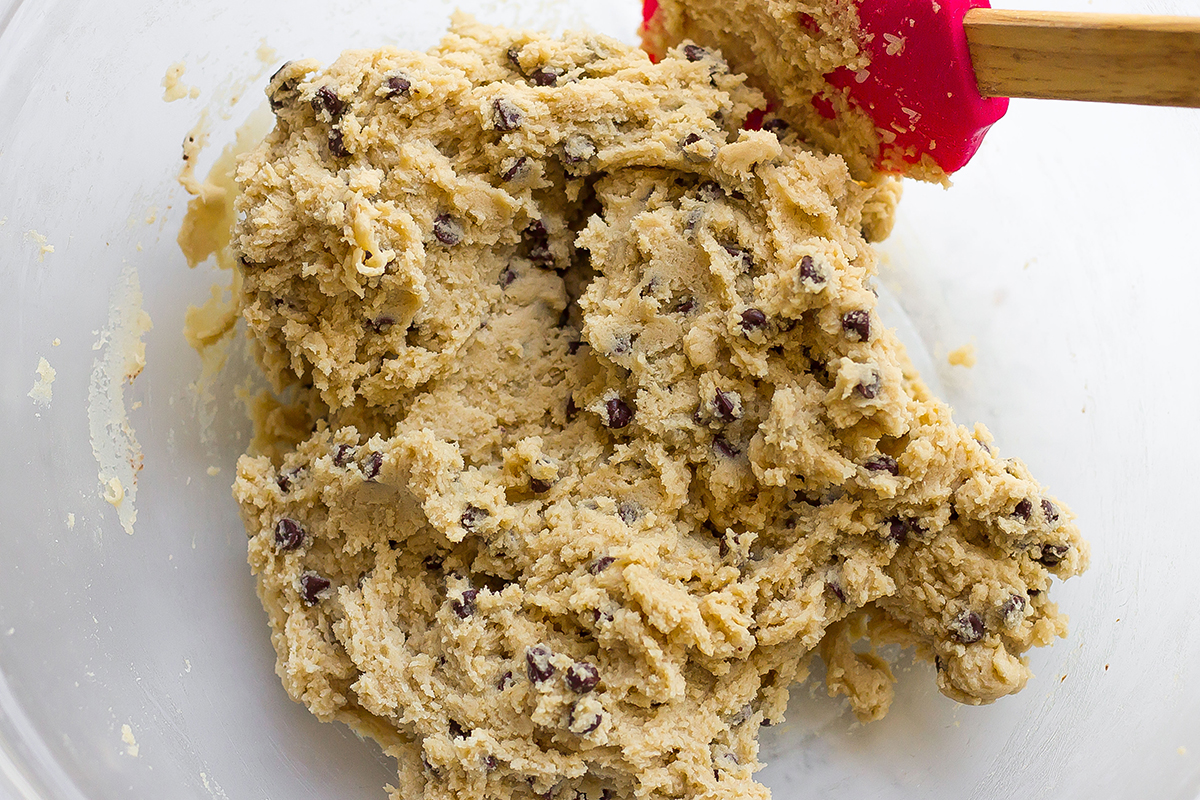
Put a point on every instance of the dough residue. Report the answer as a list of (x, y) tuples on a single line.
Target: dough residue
[(44, 247), (131, 745), (122, 358), (962, 356), (173, 86), (42, 391)]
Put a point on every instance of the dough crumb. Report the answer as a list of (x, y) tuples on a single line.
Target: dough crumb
[(963, 356), (173, 86), (44, 248), (56, 342), (70, 522), (214, 471), (42, 391), (131, 745)]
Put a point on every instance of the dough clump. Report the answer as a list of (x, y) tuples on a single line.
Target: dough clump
[(589, 436)]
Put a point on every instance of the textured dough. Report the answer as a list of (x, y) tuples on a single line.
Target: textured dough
[(592, 436)]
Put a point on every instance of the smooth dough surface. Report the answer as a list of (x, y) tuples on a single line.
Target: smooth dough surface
[(590, 435)]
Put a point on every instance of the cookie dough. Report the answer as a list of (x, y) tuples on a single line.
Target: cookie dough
[(588, 436)]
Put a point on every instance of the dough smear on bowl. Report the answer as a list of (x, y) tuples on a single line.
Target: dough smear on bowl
[(590, 435)]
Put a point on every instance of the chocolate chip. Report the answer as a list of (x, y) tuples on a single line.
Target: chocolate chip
[(725, 406), (514, 57), (398, 86), (572, 409), (1053, 554), (584, 720), (337, 145), (882, 463), (471, 517), (518, 168), (722, 446), (447, 230), (578, 148), (464, 604), (776, 126), (457, 730), (835, 588), (582, 677), (694, 52), (967, 627), (709, 191), (490, 763), (895, 530), (381, 324), (326, 99), (506, 116), (545, 76), (857, 325), (284, 480), (343, 454), (288, 534), (1012, 610), (686, 305), (809, 271), (507, 276), (870, 389), (753, 319), (1023, 510), (691, 138), (506, 680), (1050, 511), (600, 564), (538, 486), (629, 512), (371, 465), (693, 219), (311, 587), (618, 412), (537, 660)]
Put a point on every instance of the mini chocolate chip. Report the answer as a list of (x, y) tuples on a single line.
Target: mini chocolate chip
[(600, 564), (1053, 554), (1033, 592), (691, 138), (836, 589), (585, 720), (472, 516), (311, 587), (514, 57), (809, 271), (337, 145), (326, 99), (540, 255), (507, 276), (686, 305), (464, 605), (572, 409), (753, 319), (398, 85), (1012, 609), (741, 254), (694, 52), (1050, 511), (629, 512), (723, 447), (882, 463), (776, 126), (967, 627), (456, 730), (725, 406), (371, 465), (709, 191), (693, 219), (288, 534), (578, 148), (506, 680), (343, 454), (857, 325), (1023, 510), (518, 168), (284, 480), (869, 391), (382, 324), (506, 116), (619, 413), (895, 530), (490, 763), (545, 76), (537, 660), (538, 486), (447, 230), (582, 677)]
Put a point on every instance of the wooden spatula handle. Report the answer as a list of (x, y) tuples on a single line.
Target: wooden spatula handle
[(1109, 58)]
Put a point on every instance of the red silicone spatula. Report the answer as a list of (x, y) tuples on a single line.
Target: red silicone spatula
[(941, 71)]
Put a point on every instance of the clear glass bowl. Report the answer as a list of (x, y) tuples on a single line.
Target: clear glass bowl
[(1066, 253)]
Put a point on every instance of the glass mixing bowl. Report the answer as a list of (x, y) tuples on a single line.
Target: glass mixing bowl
[(1065, 253)]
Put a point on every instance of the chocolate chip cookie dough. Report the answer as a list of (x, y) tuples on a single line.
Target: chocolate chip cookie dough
[(590, 436)]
